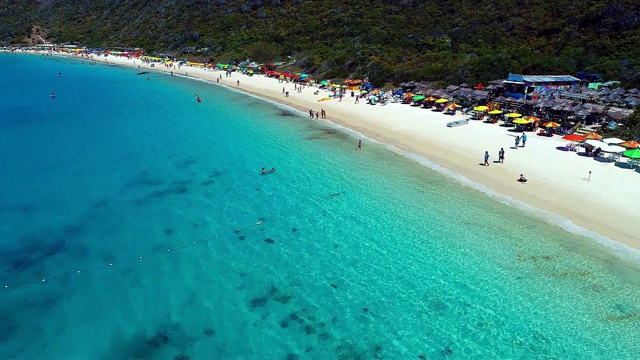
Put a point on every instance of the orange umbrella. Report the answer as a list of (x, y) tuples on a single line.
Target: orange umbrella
[(574, 137), (430, 98), (593, 136), (531, 118), (452, 106), (551, 124), (631, 144)]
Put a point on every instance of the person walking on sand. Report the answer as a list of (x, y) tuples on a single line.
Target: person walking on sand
[(524, 139), (501, 155), (238, 82), (311, 113), (486, 158), (517, 142)]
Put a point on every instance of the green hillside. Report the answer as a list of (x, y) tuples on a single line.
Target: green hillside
[(453, 41)]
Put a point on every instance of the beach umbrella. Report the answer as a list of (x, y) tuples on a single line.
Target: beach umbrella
[(419, 97), (513, 115), (593, 135), (612, 148), (453, 106), (520, 121), (481, 108), (612, 141), (531, 118), (430, 98), (495, 112), (551, 124), (630, 144), (574, 137), (442, 100), (594, 143), (323, 82), (634, 153)]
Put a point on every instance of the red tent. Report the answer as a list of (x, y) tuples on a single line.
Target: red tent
[(479, 87)]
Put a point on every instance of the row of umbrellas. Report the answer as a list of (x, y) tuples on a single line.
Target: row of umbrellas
[(613, 145)]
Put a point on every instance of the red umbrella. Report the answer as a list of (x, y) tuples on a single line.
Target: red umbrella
[(574, 137), (479, 87)]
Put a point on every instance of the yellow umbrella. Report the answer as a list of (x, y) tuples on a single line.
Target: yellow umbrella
[(520, 121), (495, 112), (442, 100), (551, 124), (481, 108), (513, 115)]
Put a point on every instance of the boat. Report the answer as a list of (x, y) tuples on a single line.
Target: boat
[(458, 123)]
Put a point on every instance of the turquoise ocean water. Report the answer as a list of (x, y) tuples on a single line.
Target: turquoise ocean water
[(400, 262)]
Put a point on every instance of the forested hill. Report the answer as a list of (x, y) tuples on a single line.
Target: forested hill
[(451, 40)]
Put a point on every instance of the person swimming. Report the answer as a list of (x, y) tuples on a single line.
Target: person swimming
[(264, 172), (52, 95), (59, 74), (273, 170)]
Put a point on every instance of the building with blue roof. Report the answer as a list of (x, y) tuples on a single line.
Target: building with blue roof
[(518, 86)]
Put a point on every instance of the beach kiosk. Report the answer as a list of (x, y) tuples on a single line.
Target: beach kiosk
[(520, 86)]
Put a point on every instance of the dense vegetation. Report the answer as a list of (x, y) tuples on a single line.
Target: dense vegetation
[(394, 40)]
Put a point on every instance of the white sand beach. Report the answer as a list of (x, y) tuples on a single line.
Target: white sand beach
[(607, 204)]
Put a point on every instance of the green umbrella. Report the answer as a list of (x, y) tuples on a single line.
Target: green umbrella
[(323, 82), (634, 154), (419, 97)]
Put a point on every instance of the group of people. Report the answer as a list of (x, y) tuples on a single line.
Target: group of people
[(522, 178), (264, 171), (318, 115)]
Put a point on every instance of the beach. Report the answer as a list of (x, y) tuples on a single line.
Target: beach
[(598, 197), (124, 184)]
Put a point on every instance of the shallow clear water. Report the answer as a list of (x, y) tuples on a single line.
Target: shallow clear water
[(400, 262)]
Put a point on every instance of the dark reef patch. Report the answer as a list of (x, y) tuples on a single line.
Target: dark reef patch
[(259, 302)]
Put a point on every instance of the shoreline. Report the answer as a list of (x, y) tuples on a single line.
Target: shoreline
[(603, 206)]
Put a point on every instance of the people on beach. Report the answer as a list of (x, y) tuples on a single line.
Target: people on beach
[(238, 82), (317, 115), (517, 141), (486, 158), (359, 144), (323, 114), (524, 139), (501, 155), (522, 179), (311, 113)]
